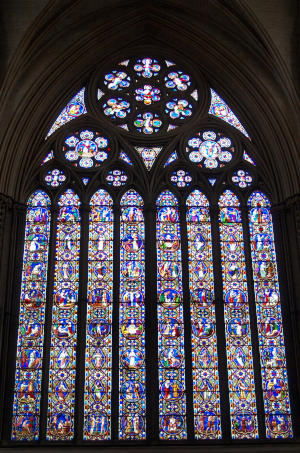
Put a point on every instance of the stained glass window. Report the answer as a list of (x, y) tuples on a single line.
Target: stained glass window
[(74, 109), (172, 400), (210, 149), (28, 378), (132, 380), (97, 397), (206, 393), (220, 109), (148, 155), (55, 177), (269, 319), (242, 178), (61, 396), (242, 397), (86, 149), (137, 161)]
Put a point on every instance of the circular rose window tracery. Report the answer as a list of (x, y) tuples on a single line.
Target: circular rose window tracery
[(155, 96), (210, 149)]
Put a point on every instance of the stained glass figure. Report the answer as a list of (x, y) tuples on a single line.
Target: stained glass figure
[(117, 80), (148, 155), (181, 178), (29, 361), (74, 109), (179, 109), (177, 81), (147, 68), (116, 108), (220, 109), (123, 156), (172, 400), (62, 372), (55, 177), (243, 412), (171, 159), (210, 149), (148, 122), (116, 178), (97, 396), (247, 158), (49, 157), (206, 394), (242, 178), (269, 319), (132, 379), (86, 149), (147, 94)]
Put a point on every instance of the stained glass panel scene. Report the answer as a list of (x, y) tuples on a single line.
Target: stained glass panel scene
[(269, 319), (243, 412), (74, 109), (172, 397), (29, 361), (206, 393), (62, 372), (132, 368), (97, 397)]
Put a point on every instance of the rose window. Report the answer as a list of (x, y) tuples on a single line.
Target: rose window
[(210, 149), (242, 179), (151, 83), (86, 149)]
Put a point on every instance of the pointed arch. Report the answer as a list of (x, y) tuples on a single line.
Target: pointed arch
[(243, 411), (29, 360), (269, 319), (62, 372), (207, 420), (98, 357), (170, 316), (132, 367), (75, 108)]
